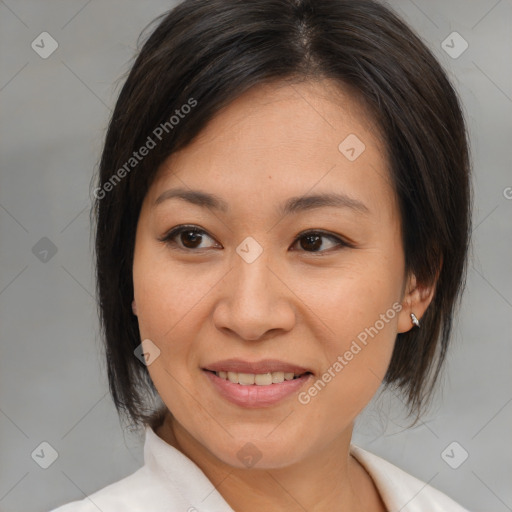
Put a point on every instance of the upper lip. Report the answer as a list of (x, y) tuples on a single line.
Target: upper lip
[(263, 366)]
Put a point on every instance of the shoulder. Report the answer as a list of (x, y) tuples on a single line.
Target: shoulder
[(402, 491), (138, 491), (168, 480)]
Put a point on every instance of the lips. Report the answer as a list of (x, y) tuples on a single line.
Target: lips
[(256, 384), (257, 367), (255, 395)]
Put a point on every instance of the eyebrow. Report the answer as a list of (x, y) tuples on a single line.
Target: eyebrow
[(290, 206)]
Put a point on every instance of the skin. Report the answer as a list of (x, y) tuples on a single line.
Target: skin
[(205, 303)]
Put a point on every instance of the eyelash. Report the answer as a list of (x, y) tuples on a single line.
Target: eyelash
[(168, 239)]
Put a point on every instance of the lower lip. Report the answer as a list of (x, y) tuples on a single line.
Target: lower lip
[(254, 396)]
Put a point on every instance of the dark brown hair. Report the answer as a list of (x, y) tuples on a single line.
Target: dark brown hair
[(204, 54)]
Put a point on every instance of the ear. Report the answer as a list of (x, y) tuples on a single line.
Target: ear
[(134, 308), (416, 300)]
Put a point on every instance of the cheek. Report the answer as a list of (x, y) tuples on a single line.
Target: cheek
[(167, 300), (166, 293), (351, 299), (357, 361), (361, 309)]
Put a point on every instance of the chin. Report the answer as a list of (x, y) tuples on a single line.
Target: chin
[(247, 452)]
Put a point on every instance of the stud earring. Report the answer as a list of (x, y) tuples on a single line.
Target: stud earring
[(415, 320)]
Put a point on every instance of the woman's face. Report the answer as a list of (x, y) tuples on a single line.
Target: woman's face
[(313, 284)]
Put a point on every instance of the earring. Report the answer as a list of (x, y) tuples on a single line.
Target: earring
[(134, 308), (415, 320)]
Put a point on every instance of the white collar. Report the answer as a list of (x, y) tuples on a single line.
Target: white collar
[(399, 490)]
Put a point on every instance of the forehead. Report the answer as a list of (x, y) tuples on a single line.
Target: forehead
[(281, 140)]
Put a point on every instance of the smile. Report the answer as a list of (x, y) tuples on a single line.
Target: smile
[(256, 390), (257, 379)]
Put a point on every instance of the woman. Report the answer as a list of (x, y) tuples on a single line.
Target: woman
[(283, 212)]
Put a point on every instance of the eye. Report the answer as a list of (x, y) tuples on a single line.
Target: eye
[(311, 241), (190, 238)]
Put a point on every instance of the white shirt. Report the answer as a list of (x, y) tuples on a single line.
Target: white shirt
[(170, 482)]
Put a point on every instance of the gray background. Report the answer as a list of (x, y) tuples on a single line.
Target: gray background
[(53, 384)]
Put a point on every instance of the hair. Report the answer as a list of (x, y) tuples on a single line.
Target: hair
[(205, 54)]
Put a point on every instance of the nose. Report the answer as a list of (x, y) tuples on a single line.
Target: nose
[(255, 303)]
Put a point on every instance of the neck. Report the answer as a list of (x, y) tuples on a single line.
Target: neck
[(330, 480)]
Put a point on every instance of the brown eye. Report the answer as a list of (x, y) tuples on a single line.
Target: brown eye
[(313, 241), (190, 239), (185, 237)]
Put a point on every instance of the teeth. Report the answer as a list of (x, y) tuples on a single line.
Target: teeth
[(277, 377), (263, 379), (259, 379), (246, 379)]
